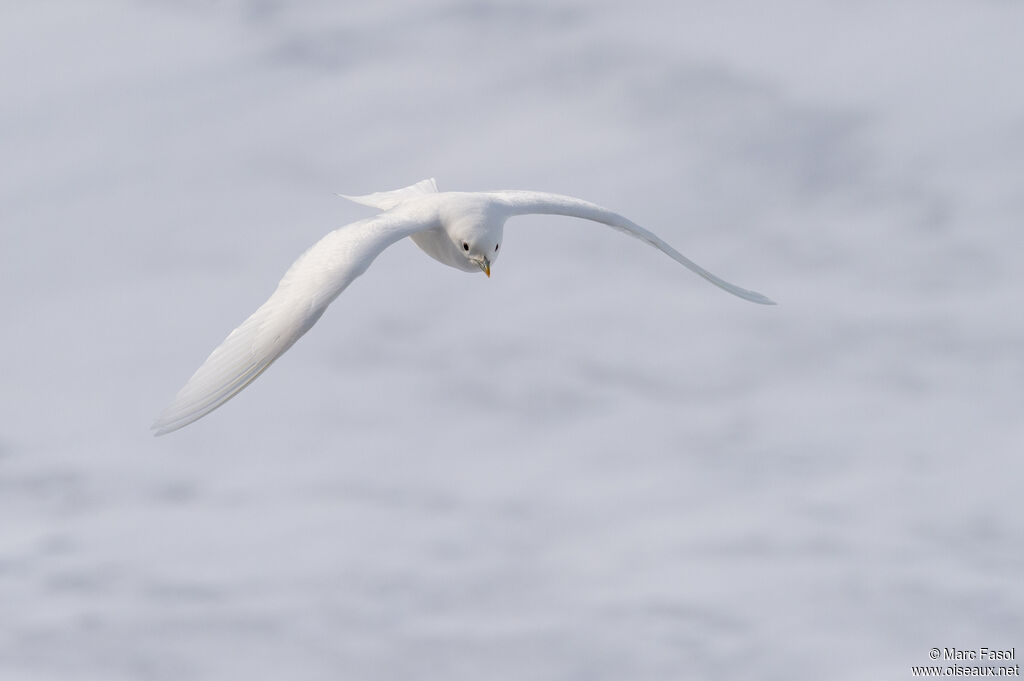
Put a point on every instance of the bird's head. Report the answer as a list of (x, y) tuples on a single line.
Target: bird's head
[(479, 244)]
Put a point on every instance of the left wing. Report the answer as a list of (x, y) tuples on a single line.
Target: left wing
[(525, 202)]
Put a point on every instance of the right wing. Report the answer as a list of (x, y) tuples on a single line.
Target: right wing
[(311, 283)]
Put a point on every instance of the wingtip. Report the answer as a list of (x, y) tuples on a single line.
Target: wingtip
[(745, 294), (159, 427)]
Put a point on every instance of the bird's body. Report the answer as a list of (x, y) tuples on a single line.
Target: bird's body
[(460, 229)]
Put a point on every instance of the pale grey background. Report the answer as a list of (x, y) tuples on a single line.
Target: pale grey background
[(593, 465)]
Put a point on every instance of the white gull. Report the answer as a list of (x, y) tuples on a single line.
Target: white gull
[(460, 229)]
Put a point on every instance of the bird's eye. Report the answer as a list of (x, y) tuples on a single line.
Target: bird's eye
[(496, 246), (465, 246)]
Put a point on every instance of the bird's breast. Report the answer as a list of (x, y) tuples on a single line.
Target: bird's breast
[(435, 243)]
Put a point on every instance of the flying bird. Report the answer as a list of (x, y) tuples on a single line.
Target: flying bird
[(460, 229)]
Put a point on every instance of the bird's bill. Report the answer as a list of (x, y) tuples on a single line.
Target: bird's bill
[(485, 265)]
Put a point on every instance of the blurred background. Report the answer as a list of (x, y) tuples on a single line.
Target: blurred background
[(593, 465)]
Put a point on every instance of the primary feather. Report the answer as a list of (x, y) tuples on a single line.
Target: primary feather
[(311, 283), (526, 202)]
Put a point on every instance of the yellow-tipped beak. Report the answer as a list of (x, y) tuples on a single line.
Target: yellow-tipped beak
[(485, 265)]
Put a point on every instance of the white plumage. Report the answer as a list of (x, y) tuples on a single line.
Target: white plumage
[(460, 229)]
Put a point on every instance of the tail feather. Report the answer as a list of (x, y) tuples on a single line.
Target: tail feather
[(389, 199)]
